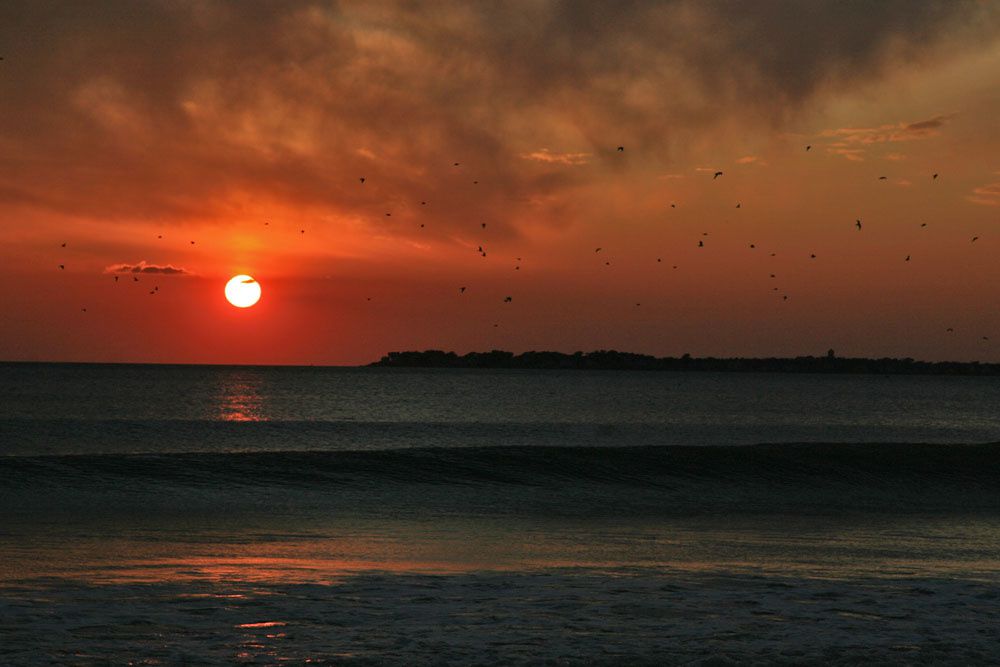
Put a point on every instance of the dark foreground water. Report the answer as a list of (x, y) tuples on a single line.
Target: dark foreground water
[(179, 515)]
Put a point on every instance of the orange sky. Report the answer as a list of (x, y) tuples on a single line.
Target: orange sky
[(123, 122)]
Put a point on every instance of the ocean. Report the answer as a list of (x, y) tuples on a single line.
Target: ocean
[(164, 515)]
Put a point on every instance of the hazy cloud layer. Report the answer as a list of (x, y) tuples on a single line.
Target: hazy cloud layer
[(188, 110)]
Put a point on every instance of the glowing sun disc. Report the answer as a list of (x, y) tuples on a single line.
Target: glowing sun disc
[(242, 291)]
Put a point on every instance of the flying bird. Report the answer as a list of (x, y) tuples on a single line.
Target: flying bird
[(116, 278), (907, 259), (673, 205), (701, 244), (950, 329), (597, 249), (812, 256), (621, 149), (62, 266), (882, 178), (809, 147), (857, 223), (484, 225), (507, 299), (63, 245), (362, 179), (461, 290), (923, 224), (974, 239), (934, 177), (738, 205), (717, 174), (135, 279)]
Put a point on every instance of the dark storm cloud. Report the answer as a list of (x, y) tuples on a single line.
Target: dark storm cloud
[(143, 267), (179, 110)]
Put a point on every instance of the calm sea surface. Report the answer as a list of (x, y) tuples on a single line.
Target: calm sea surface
[(172, 515)]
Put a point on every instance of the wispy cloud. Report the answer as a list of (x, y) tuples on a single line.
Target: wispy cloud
[(545, 155), (889, 133), (752, 159), (145, 267), (986, 195), (853, 154)]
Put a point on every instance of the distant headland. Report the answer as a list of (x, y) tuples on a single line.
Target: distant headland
[(614, 360)]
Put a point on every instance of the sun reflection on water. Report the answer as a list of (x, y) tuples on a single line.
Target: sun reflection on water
[(241, 397)]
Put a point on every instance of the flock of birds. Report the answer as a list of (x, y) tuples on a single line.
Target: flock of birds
[(480, 249)]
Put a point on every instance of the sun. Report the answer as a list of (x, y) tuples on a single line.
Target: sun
[(242, 291)]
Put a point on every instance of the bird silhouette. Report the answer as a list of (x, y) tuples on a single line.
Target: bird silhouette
[(621, 149), (857, 223), (809, 147), (455, 165), (302, 231), (423, 203), (923, 224), (974, 239), (484, 225), (597, 249), (738, 205), (507, 299), (192, 242), (950, 329), (812, 256), (461, 290), (717, 174), (83, 309), (701, 244), (934, 177), (62, 266), (63, 245), (135, 279), (673, 205), (362, 179), (907, 259), (752, 246), (116, 278), (882, 178)]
